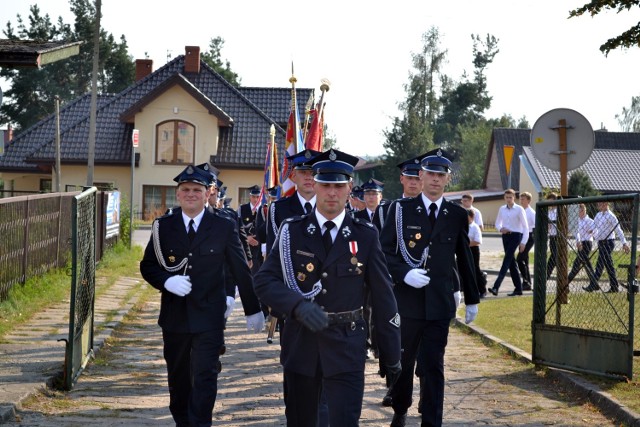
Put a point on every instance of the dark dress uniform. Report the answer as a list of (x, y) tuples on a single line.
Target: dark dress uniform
[(248, 223), (192, 325), (279, 211), (340, 349), (300, 273), (426, 312), (380, 214)]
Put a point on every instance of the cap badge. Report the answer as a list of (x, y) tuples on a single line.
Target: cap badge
[(307, 154), (346, 232), (439, 153), (190, 170), (333, 156)]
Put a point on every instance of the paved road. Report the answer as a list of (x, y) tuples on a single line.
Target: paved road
[(126, 386)]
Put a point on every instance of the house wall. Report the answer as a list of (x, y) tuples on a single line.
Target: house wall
[(23, 181), (118, 176), (234, 179), (494, 181), (162, 109), (489, 210)]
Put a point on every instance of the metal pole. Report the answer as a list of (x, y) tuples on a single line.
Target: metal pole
[(562, 225), (94, 95), (57, 187), (133, 164)]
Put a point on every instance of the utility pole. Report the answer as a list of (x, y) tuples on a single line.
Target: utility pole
[(94, 95), (57, 187)]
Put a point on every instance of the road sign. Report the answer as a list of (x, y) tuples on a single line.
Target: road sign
[(135, 137), (546, 138)]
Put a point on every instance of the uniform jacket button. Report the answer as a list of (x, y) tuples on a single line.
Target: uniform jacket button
[(324, 275), (324, 291)]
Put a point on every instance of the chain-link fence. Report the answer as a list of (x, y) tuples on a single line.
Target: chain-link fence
[(584, 283), (83, 274)]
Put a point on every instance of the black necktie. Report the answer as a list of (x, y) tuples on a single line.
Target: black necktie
[(326, 237), (432, 213), (192, 231), (307, 208)]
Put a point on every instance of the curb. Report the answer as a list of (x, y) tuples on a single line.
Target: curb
[(600, 399)]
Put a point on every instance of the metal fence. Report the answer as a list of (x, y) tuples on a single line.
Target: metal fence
[(36, 235), (584, 290), (83, 286)]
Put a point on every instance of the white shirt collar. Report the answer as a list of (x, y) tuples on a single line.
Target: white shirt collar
[(428, 202), (303, 201), (196, 220), (337, 220)]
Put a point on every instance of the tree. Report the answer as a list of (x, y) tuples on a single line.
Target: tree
[(580, 184), (213, 58), (32, 92), (412, 134), (629, 38), (464, 103), (629, 120)]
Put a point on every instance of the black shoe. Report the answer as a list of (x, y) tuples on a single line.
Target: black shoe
[(483, 295), (515, 294), (387, 400), (399, 420), (526, 287), (590, 288), (493, 291)]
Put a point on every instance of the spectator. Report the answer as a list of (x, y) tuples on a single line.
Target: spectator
[(512, 224), (523, 257), (467, 203), (606, 224)]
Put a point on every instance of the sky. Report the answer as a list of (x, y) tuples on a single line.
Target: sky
[(364, 49)]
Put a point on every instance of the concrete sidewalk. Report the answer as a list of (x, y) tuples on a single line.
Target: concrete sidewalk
[(483, 386)]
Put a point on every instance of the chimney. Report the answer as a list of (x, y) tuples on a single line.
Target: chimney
[(144, 67), (8, 135), (192, 59)]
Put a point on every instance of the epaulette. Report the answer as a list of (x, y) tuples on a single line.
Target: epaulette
[(364, 222), (169, 212), (294, 219)]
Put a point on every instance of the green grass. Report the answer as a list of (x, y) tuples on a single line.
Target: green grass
[(509, 319), (38, 293)]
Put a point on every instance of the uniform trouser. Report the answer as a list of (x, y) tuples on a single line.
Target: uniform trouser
[(582, 260), (510, 243), (433, 335), (523, 260), (605, 248), (344, 393), (482, 283), (372, 342), (192, 375)]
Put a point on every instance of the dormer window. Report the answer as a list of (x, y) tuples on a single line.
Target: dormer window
[(175, 142)]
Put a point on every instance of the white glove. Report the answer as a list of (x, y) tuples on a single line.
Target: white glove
[(471, 313), (417, 278), (231, 302), (179, 285), (457, 297), (255, 322)]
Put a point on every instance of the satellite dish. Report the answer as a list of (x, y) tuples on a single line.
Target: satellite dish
[(545, 138)]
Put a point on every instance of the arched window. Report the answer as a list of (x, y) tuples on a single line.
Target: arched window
[(176, 142)]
